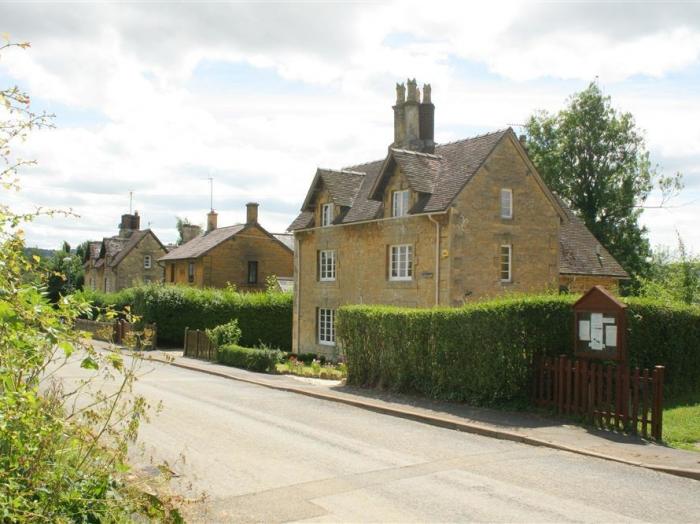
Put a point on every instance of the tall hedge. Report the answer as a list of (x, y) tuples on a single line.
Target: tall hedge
[(263, 317), (483, 352)]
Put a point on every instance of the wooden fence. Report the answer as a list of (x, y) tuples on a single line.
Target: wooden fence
[(198, 345), (120, 332), (609, 396)]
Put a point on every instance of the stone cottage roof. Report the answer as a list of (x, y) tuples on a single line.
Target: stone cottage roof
[(131, 243), (203, 243), (438, 178), (112, 250), (580, 252)]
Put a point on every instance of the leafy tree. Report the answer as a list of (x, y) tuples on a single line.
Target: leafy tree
[(65, 273), (673, 277), (595, 158), (179, 225)]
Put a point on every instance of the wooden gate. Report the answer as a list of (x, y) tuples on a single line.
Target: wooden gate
[(198, 345), (609, 396)]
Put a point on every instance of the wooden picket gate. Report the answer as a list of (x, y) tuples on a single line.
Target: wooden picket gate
[(609, 396), (198, 345)]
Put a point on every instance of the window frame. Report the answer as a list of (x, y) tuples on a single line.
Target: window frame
[(329, 275), (408, 269), (509, 192), (172, 272), (501, 261), (147, 262), (327, 220), (405, 202), (190, 271), (325, 329), (254, 273)]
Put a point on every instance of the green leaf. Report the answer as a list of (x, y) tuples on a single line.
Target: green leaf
[(89, 363), (67, 348)]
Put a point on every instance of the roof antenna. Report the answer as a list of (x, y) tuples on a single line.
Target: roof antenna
[(131, 201), (211, 193)]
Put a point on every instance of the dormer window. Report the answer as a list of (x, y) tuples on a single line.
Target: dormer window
[(326, 214), (399, 203), (506, 203)]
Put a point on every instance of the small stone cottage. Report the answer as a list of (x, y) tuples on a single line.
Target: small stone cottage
[(434, 224), (124, 260), (244, 255)]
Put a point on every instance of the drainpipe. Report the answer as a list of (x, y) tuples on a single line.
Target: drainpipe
[(297, 288), (437, 259)]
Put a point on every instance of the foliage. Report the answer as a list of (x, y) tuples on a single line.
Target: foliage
[(673, 277), (682, 422), (595, 158), (314, 368), (263, 317), (223, 334), (63, 443), (254, 359), (482, 352), (65, 273), (179, 225)]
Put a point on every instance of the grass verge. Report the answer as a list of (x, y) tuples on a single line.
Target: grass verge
[(682, 422)]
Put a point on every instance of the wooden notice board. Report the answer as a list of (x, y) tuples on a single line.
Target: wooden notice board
[(600, 326)]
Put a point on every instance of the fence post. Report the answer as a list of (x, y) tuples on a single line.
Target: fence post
[(154, 339), (657, 403), (184, 344)]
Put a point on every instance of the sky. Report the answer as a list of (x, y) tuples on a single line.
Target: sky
[(157, 97)]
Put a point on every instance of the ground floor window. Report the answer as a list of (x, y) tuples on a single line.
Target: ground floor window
[(252, 272), (506, 269), (401, 262), (190, 272), (326, 326)]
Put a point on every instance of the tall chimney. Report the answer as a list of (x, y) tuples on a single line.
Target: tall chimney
[(251, 213), (413, 120), (211, 220), (129, 224)]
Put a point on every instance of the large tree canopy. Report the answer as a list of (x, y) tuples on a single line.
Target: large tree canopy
[(595, 158)]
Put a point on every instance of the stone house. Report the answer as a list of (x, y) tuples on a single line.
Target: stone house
[(244, 255), (434, 225), (124, 260)]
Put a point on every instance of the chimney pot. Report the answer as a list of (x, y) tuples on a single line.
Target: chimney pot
[(251, 213), (400, 93)]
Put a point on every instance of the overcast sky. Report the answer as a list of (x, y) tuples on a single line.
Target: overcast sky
[(157, 97)]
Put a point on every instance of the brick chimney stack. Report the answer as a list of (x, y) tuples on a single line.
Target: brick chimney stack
[(211, 220), (414, 121), (251, 213), (129, 224), (190, 231)]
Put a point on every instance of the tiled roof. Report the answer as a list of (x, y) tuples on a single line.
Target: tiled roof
[(286, 238), (203, 243), (580, 252), (132, 242), (439, 176)]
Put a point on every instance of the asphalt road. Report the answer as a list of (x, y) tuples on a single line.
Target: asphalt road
[(260, 455)]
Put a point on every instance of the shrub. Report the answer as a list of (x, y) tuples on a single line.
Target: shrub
[(264, 318), (483, 352), (223, 334), (254, 359)]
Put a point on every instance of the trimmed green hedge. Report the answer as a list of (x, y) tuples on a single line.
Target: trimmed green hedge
[(264, 318), (482, 352), (254, 359)]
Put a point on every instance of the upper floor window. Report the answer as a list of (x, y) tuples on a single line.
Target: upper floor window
[(326, 326), (147, 262), (326, 265), (252, 272), (401, 262), (326, 214), (190, 272), (399, 203), (506, 263), (506, 203)]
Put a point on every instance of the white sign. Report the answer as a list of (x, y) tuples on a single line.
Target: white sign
[(596, 342), (584, 330), (611, 336)]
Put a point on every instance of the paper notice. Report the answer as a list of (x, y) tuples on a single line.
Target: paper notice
[(584, 330), (611, 336), (596, 342), (608, 320)]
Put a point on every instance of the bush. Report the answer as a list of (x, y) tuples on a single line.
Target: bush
[(228, 333), (254, 359), (483, 352), (264, 318)]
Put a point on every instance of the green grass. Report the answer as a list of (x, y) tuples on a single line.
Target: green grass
[(682, 422)]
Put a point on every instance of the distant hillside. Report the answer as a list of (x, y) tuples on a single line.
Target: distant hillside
[(43, 253)]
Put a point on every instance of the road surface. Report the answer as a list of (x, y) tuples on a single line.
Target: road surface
[(261, 455)]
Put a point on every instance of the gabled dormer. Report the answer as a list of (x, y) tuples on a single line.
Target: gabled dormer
[(331, 195)]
